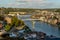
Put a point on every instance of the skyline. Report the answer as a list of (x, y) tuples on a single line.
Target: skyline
[(30, 3)]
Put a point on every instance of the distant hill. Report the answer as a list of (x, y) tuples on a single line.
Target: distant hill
[(7, 10)]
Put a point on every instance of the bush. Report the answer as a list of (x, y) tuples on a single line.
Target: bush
[(7, 27)]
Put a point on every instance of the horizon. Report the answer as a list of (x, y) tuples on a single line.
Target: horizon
[(30, 8)]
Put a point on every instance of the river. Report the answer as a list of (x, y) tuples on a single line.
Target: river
[(43, 27)]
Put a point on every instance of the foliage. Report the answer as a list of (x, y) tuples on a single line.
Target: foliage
[(7, 27), (16, 21), (1, 18), (27, 29)]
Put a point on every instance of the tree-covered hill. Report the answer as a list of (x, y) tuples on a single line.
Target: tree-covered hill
[(7, 10)]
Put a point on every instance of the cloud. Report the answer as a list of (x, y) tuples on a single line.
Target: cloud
[(31, 3), (28, 4), (29, 0)]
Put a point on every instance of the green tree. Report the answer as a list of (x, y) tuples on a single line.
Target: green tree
[(17, 22), (7, 27)]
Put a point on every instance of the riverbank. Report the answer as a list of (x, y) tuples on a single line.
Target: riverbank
[(52, 24)]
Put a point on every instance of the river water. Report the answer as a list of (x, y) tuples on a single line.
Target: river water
[(43, 27)]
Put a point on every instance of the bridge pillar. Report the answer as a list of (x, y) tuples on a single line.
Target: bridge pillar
[(33, 25)]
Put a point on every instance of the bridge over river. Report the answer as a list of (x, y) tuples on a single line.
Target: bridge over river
[(35, 25)]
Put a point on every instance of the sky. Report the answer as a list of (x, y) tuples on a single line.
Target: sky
[(30, 3)]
